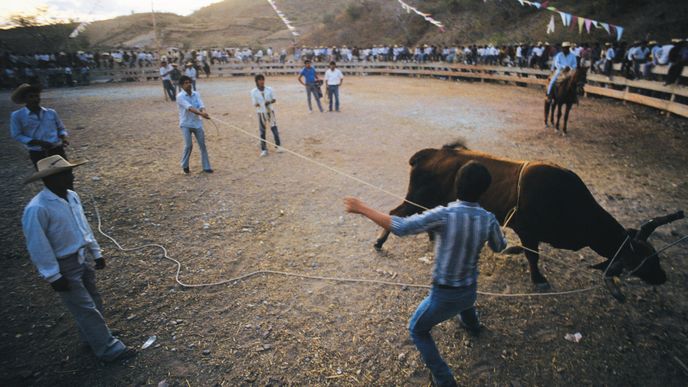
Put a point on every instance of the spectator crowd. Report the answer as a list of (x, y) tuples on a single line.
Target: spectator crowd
[(637, 59)]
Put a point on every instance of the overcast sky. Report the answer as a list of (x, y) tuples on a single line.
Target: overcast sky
[(87, 10)]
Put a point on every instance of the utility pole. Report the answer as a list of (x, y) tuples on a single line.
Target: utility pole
[(155, 29)]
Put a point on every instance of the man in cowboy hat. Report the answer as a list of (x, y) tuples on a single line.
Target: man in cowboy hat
[(190, 71), (60, 240), (39, 129), (564, 61)]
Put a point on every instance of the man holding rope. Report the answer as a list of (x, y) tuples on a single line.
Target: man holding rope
[(191, 108), (263, 100), (461, 230), (39, 129), (310, 76)]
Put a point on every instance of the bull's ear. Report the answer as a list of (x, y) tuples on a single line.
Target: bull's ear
[(632, 233), (601, 265)]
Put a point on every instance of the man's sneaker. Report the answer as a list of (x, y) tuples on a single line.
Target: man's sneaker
[(208, 171), (279, 149), (263, 153), (186, 170)]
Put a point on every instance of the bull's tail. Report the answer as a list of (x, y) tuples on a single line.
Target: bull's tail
[(459, 143)]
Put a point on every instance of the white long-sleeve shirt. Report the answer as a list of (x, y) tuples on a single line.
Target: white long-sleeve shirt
[(54, 229), (259, 98)]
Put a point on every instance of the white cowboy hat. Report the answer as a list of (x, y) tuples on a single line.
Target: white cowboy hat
[(565, 44), (50, 166)]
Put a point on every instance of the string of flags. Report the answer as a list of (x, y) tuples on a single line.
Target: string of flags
[(425, 16), (286, 21), (79, 29), (569, 20)]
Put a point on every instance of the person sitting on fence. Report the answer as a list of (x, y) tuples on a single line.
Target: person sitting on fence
[(609, 56), (563, 62)]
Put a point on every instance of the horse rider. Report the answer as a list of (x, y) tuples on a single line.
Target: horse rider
[(564, 61)]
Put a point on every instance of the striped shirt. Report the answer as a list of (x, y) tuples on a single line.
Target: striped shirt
[(461, 229)]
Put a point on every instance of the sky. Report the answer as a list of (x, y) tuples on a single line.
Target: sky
[(88, 10)]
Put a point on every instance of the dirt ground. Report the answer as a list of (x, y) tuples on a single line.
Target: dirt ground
[(283, 213)]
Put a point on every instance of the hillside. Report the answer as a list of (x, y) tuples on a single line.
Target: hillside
[(232, 23)]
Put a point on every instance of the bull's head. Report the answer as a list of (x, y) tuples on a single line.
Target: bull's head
[(581, 79), (639, 257)]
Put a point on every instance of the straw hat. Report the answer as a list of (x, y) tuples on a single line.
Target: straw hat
[(20, 92), (652, 42), (565, 44), (51, 165), (189, 64)]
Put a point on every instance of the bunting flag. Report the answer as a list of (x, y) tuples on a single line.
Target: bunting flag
[(284, 19), (550, 26), (570, 20), (425, 16), (79, 29)]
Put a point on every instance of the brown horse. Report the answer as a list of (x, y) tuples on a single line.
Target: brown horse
[(565, 93)]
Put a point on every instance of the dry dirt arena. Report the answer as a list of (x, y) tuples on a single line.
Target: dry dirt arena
[(284, 213)]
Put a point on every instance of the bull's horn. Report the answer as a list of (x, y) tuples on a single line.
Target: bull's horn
[(650, 226), (612, 284)]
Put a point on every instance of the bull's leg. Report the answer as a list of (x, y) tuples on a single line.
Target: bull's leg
[(404, 209), (566, 117), (532, 253)]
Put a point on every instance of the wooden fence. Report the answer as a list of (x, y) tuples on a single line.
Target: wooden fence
[(671, 99)]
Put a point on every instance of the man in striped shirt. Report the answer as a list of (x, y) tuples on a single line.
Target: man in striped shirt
[(461, 230)]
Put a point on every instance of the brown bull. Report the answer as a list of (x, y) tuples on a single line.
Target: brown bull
[(552, 205)]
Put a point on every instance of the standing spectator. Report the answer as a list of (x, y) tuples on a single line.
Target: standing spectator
[(60, 240), (609, 56), (190, 71), (263, 100), (191, 108), (455, 275), (310, 76), (333, 80), (39, 129), (678, 58), (175, 76), (167, 86)]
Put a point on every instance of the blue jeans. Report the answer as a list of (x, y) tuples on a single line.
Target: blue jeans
[(188, 145), (169, 89), (311, 88), (441, 305), (333, 91)]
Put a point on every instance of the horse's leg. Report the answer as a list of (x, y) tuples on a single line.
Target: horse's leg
[(558, 115), (548, 102), (566, 117), (533, 255), (553, 107)]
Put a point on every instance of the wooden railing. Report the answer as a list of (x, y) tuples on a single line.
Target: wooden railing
[(671, 99)]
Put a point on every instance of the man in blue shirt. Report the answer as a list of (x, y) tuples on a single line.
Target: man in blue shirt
[(191, 108), (461, 230), (311, 77), (39, 129), (564, 61)]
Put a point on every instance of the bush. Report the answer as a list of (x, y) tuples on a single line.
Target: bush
[(354, 12)]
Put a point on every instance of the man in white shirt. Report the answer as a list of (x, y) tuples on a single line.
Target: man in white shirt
[(333, 80), (263, 100), (60, 241), (167, 85), (563, 62), (609, 56)]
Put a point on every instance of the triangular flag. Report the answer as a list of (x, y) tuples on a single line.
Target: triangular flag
[(588, 23), (606, 27), (552, 9), (581, 23), (573, 21), (550, 26), (544, 4), (563, 18), (521, 1), (619, 32), (535, 4)]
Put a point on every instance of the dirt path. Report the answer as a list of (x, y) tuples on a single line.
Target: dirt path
[(282, 213)]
